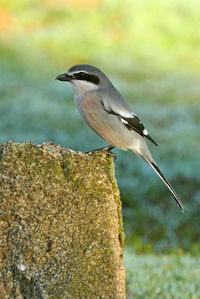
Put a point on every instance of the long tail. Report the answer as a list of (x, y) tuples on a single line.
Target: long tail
[(166, 182)]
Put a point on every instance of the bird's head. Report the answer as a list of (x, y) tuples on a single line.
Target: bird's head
[(83, 78)]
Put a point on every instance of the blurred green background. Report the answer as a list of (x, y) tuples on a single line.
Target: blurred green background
[(151, 51)]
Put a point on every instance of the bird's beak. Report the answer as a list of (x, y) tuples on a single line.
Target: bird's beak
[(64, 77)]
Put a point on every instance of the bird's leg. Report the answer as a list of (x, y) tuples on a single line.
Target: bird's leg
[(107, 149)]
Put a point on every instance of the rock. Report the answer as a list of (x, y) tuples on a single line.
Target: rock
[(60, 224)]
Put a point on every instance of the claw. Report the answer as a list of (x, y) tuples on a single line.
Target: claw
[(106, 149), (109, 153)]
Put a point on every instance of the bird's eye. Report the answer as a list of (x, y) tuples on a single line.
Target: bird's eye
[(81, 75)]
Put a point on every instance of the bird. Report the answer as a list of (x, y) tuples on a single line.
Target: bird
[(106, 112)]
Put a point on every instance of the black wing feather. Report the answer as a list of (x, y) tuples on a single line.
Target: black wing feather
[(134, 123), (131, 123)]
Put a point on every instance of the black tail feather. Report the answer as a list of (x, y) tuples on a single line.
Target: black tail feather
[(166, 182)]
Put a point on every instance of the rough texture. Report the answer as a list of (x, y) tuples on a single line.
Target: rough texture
[(60, 224)]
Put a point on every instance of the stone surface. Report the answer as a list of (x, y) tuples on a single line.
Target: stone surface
[(60, 224)]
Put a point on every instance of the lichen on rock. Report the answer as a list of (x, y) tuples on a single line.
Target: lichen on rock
[(60, 224)]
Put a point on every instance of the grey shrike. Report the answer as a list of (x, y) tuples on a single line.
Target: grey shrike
[(106, 112)]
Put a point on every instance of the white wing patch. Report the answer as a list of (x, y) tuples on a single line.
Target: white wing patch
[(145, 132), (124, 121), (124, 113)]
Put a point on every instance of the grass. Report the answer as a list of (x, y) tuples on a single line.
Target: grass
[(162, 276)]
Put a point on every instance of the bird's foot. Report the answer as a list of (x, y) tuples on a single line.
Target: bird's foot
[(106, 149)]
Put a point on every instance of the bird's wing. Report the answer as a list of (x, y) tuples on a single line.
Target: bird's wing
[(129, 119)]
